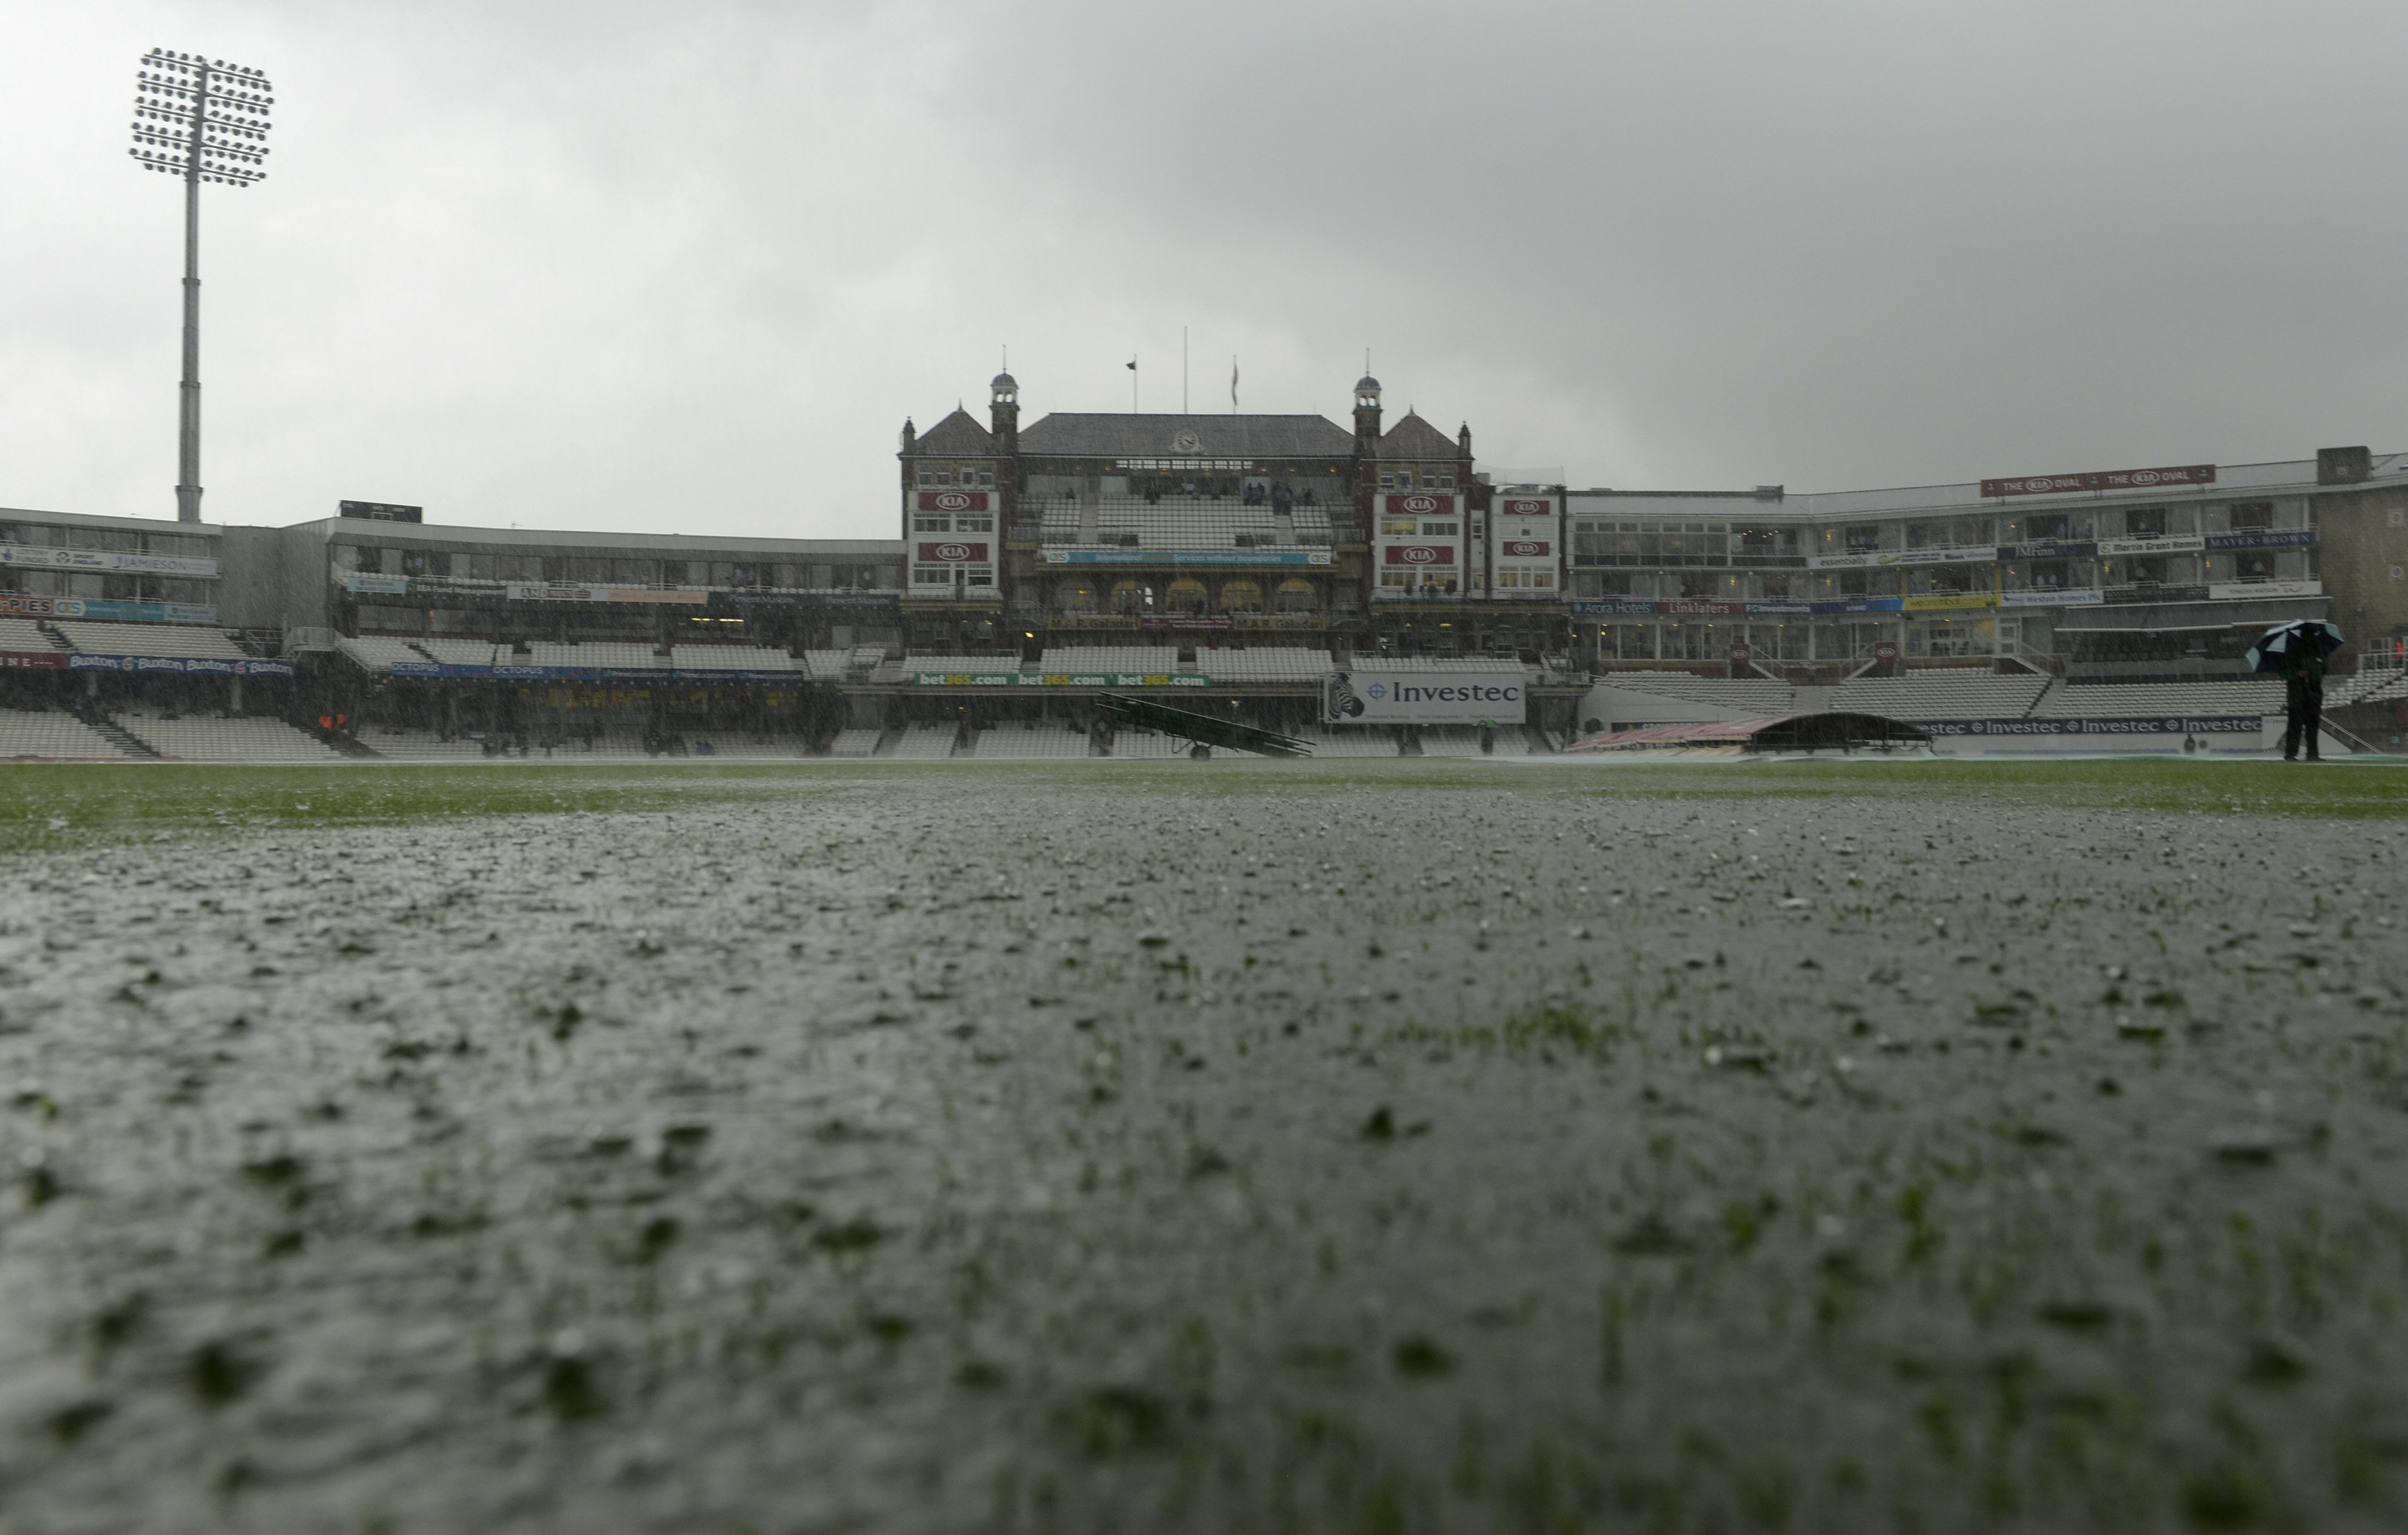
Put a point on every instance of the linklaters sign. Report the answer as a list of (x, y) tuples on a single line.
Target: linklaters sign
[(1425, 698), (2111, 480)]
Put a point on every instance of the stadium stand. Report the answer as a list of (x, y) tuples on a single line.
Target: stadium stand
[(911, 664), (1148, 746), (23, 634), (464, 653), (731, 658), (854, 743), (378, 652), (176, 639), (1029, 739), (2137, 700), (194, 738), (1756, 696), (2366, 685), (617, 654), (1123, 658), (1940, 693), (1265, 664), (1434, 663), (1463, 741), (740, 749), (1330, 741), (398, 743), (924, 742), (52, 734)]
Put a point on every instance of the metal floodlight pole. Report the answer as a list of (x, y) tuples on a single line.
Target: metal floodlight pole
[(206, 119)]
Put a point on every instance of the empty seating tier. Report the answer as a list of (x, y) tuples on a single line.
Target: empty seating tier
[(51, 734), (1940, 694), (194, 738), (2142, 700), (1030, 741), (1755, 695), (181, 640), (925, 742)]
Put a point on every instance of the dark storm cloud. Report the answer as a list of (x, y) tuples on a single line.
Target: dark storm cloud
[(642, 265)]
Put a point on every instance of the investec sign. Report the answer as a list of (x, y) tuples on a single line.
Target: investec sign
[(1423, 698)]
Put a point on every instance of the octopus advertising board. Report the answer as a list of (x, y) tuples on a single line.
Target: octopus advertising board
[(1425, 698)]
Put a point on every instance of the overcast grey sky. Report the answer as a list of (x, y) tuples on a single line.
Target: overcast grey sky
[(688, 266)]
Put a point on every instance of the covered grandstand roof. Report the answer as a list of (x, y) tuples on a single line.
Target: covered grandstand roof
[(958, 435), (1089, 435)]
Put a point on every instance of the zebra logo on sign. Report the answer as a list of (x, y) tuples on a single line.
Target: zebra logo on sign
[(1419, 554), (952, 551), (952, 501)]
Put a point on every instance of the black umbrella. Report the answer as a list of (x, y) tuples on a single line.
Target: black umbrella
[(2287, 638)]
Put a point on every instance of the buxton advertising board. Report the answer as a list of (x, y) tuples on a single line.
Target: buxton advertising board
[(1425, 698)]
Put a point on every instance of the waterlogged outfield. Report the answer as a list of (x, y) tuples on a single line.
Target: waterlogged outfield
[(63, 806), (1397, 1146)]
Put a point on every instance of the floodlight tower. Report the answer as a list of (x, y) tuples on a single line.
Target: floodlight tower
[(206, 119)]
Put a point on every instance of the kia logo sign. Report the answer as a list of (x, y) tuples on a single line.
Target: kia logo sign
[(1421, 503), (1528, 509), (2145, 476), (952, 501), (1420, 554), (1524, 548), (952, 551)]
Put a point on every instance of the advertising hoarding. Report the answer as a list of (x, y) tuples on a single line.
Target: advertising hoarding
[(952, 501), (1866, 559), (2110, 479), (952, 552), (2177, 544), (1187, 557), (14, 604), (44, 557), (1425, 698)]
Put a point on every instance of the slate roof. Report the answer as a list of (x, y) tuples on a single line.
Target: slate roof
[(1087, 435), (958, 436), (1415, 438)]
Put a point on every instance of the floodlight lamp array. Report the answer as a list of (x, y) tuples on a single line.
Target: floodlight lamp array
[(202, 118)]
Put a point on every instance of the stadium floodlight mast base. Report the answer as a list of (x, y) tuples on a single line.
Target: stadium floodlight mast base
[(206, 119)]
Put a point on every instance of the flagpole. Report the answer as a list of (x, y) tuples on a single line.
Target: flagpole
[(1183, 370)]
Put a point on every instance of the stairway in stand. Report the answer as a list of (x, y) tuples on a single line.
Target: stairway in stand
[(126, 741)]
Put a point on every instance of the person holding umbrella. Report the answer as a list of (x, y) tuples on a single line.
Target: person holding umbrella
[(2296, 652)]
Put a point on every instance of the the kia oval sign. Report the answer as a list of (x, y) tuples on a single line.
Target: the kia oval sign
[(1530, 508), (1421, 506), (1524, 549), (950, 554), (953, 500), (1420, 554)]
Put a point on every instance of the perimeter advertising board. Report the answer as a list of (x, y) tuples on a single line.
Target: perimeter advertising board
[(1425, 698)]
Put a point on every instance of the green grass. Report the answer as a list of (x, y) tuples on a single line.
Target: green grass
[(50, 806)]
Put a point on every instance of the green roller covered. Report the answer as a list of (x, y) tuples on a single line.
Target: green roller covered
[(1203, 727)]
